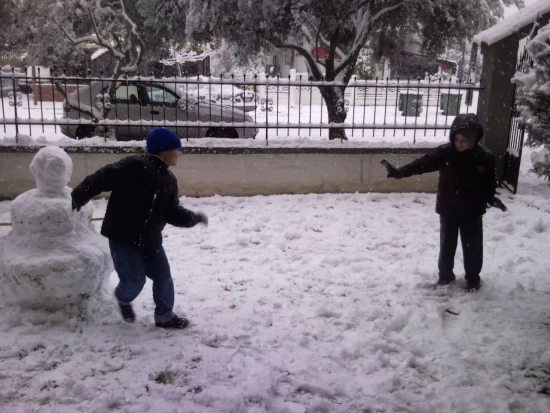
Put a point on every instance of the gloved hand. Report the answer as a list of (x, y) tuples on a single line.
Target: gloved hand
[(203, 218), (497, 203), (76, 207), (393, 172)]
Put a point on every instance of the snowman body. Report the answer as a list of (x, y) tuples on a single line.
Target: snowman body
[(53, 257)]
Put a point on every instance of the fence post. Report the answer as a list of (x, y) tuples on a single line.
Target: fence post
[(34, 94), (496, 97), (291, 88), (15, 104)]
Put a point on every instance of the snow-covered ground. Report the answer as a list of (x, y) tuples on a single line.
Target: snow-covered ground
[(317, 304)]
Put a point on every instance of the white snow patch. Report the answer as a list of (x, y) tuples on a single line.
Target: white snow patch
[(260, 340)]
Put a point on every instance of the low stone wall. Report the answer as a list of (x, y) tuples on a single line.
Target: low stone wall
[(242, 171)]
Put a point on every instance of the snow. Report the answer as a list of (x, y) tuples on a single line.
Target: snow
[(98, 53), (540, 156), (524, 17), (513, 152), (52, 169), (53, 258), (317, 303)]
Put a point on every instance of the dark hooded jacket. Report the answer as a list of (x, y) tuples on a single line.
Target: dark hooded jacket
[(144, 198), (467, 180)]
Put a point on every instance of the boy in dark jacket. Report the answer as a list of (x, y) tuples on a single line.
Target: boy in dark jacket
[(467, 185), (144, 198)]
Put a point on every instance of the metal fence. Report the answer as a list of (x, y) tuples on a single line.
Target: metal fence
[(260, 107)]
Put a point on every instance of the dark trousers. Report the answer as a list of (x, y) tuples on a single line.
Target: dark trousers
[(133, 265), (471, 235)]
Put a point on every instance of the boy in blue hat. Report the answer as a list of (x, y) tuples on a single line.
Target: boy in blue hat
[(144, 198)]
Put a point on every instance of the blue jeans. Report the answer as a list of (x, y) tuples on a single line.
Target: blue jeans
[(133, 265), (471, 235)]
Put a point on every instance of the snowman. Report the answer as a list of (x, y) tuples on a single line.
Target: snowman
[(52, 258)]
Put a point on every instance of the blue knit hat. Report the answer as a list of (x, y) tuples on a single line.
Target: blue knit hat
[(162, 140)]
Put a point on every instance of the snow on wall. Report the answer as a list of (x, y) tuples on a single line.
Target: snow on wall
[(511, 25)]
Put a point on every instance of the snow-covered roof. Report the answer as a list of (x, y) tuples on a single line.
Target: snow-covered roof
[(522, 19)]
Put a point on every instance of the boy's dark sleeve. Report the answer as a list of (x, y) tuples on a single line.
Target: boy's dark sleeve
[(178, 216), (425, 164), (103, 180), (489, 178)]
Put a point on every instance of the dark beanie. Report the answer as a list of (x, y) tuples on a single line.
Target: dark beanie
[(161, 140)]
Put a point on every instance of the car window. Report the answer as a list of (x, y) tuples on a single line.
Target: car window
[(127, 94), (160, 96)]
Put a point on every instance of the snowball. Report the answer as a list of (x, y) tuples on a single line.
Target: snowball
[(52, 169)]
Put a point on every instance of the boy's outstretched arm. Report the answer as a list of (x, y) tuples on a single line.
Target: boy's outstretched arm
[(103, 180), (425, 164), (179, 216)]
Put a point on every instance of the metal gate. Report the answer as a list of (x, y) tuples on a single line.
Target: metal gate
[(512, 157)]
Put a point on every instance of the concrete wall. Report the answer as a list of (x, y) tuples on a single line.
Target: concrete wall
[(242, 171)]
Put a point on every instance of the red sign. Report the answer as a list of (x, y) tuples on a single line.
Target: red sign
[(320, 52)]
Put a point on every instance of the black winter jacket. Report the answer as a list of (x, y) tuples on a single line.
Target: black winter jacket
[(144, 198), (467, 179)]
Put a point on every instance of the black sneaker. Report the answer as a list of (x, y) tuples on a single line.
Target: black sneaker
[(127, 312), (473, 286), (444, 281), (174, 322)]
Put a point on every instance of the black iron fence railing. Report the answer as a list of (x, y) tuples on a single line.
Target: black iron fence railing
[(259, 107)]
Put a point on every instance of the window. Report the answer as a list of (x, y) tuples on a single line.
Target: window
[(127, 93), (160, 96)]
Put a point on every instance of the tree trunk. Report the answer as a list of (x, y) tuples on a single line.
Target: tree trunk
[(336, 109)]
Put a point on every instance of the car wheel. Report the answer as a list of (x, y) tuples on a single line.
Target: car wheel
[(230, 133), (83, 132)]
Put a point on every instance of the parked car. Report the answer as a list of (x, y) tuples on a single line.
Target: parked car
[(152, 101), (21, 83)]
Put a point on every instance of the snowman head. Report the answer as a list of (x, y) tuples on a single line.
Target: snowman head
[(52, 169)]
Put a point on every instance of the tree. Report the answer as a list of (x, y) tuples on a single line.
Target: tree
[(60, 31), (341, 26), (534, 97), (226, 60), (10, 45)]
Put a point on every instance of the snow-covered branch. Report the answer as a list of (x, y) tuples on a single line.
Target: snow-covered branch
[(315, 71), (307, 33), (129, 44), (363, 25), (386, 10), (338, 51), (102, 41)]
